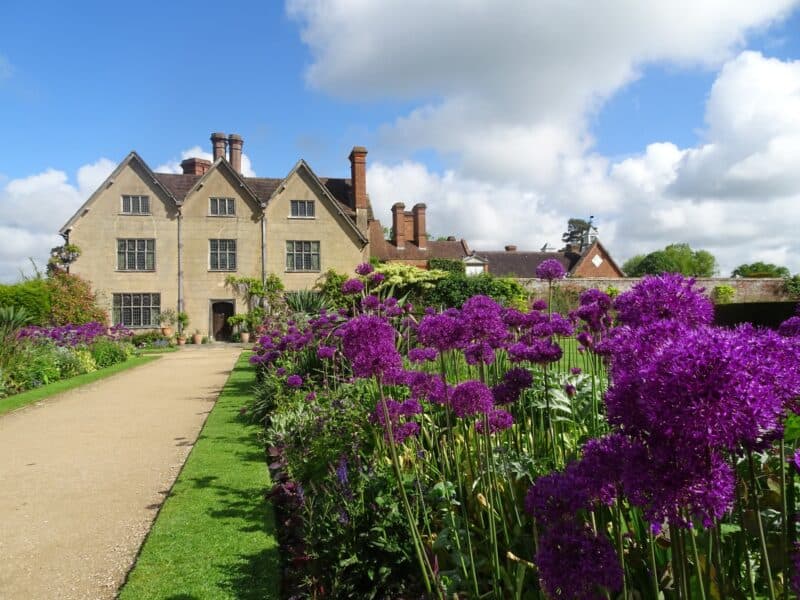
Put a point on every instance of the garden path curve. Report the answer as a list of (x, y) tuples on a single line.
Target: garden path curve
[(82, 475)]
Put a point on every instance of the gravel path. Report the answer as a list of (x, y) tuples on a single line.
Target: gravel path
[(82, 475)]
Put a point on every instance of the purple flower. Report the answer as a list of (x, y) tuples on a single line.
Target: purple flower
[(664, 297), (422, 354), (368, 342), (325, 351), (497, 420), (470, 398), (294, 381), (352, 286), (398, 412), (370, 302), (576, 564), (377, 278), (550, 269), (443, 331), (311, 396), (341, 471), (364, 269), (790, 327), (280, 371)]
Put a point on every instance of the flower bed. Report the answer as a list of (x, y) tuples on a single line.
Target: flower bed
[(34, 356), (629, 447)]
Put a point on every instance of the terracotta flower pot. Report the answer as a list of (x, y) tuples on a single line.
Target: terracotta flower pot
[(245, 337), (181, 340), (166, 331), (197, 338)]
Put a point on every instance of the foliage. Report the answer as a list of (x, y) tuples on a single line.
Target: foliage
[(147, 339), (308, 302), (792, 285), (760, 270), (402, 280), (106, 353), (255, 292), (723, 294), (73, 301), (182, 319), (675, 258), (330, 286), (455, 289), (448, 265), (578, 232), (168, 317), (32, 296), (61, 257), (13, 317)]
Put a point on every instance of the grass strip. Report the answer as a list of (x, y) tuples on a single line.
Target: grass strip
[(57, 387), (156, 350), (214, 537)]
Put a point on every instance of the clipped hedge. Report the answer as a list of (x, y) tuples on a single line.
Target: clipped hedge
[(34, 295), (455, 289)]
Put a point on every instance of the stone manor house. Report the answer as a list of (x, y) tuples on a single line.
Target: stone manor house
[(151, 241)]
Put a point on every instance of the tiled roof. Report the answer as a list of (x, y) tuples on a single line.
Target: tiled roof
[(523, 264), (263, 187), (383, 249)]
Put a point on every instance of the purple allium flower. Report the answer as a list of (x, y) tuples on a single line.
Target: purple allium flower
[(550, 269), (790, 327), (539, 304), (575, 370), (541, 351), (326, 351), (664, 297), (498, 420), (280, 371), (294, 381), (370, 302), (353, 286), (796, 460), (484, 329), (794, 557), (514, 381), (443, 331), (364, 269), (311, 396), (422, 354), (570, 390), (470, 398), (576, 564), (401, 430), (426, 386), (377, 278), (368, 342)]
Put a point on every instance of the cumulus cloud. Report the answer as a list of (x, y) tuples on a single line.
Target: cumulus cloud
[(174, 166), (504, 92), (35, 207)]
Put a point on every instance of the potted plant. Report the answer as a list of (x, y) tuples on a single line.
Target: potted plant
[(183, 323), (239, 324), (197, 337), (167, 320)]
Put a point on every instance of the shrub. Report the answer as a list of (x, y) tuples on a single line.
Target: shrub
[(107, 353), (85, 360), (330, 286), (36, 365), (68, 363), (309, 302), (448, 265), (33, 296), (455, 289), (722, 294), (148, 338), (73, 301)]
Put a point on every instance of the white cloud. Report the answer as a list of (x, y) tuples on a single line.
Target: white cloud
[(504, 91), (174, 166), (35, 207)]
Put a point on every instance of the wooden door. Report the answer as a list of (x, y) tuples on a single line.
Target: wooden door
[(220, 328)]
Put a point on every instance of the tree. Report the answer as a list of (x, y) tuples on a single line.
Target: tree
[(760, 269), (675, 258), (578, 232)]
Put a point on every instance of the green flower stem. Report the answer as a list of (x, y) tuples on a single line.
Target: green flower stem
[(784, 521), (698, 570), (761, 536), (651, 542)]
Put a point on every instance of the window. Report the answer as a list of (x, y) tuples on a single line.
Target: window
[(135, 205), (137, 310), (136, 255), (302, 256), (302, 209), (222, 207), (222, 255)]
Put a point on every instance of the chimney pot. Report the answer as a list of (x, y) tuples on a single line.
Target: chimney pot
[(399, 225), (235, 143), (195, 166), (358, 177), (511, 248), (218, 143)]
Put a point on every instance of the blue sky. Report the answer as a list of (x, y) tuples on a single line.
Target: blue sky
[(520, 117)]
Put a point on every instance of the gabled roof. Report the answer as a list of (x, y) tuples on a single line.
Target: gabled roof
[(342, 210), (383, 249), (221, 164), (585, 256), (523, 264), (134, 159)]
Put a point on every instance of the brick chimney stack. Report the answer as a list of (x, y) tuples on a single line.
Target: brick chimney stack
[(235, 143), (195, 166), (358, 182), (420, 232), (399, 225), (218, 143)]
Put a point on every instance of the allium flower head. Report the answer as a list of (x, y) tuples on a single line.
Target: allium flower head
[(443, 331), (352, 286), (364, 269), (669, 296), (368, 342), (294, 381), (550, 269), (498, 420), (790, 327), (470, 398)]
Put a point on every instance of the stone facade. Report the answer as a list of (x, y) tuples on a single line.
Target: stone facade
[(184, 232)]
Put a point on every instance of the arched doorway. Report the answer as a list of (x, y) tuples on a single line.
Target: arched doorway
[(220, 311)]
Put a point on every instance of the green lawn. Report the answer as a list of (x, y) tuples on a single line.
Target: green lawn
[(214, 536), (46, 391), (157, 350)]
